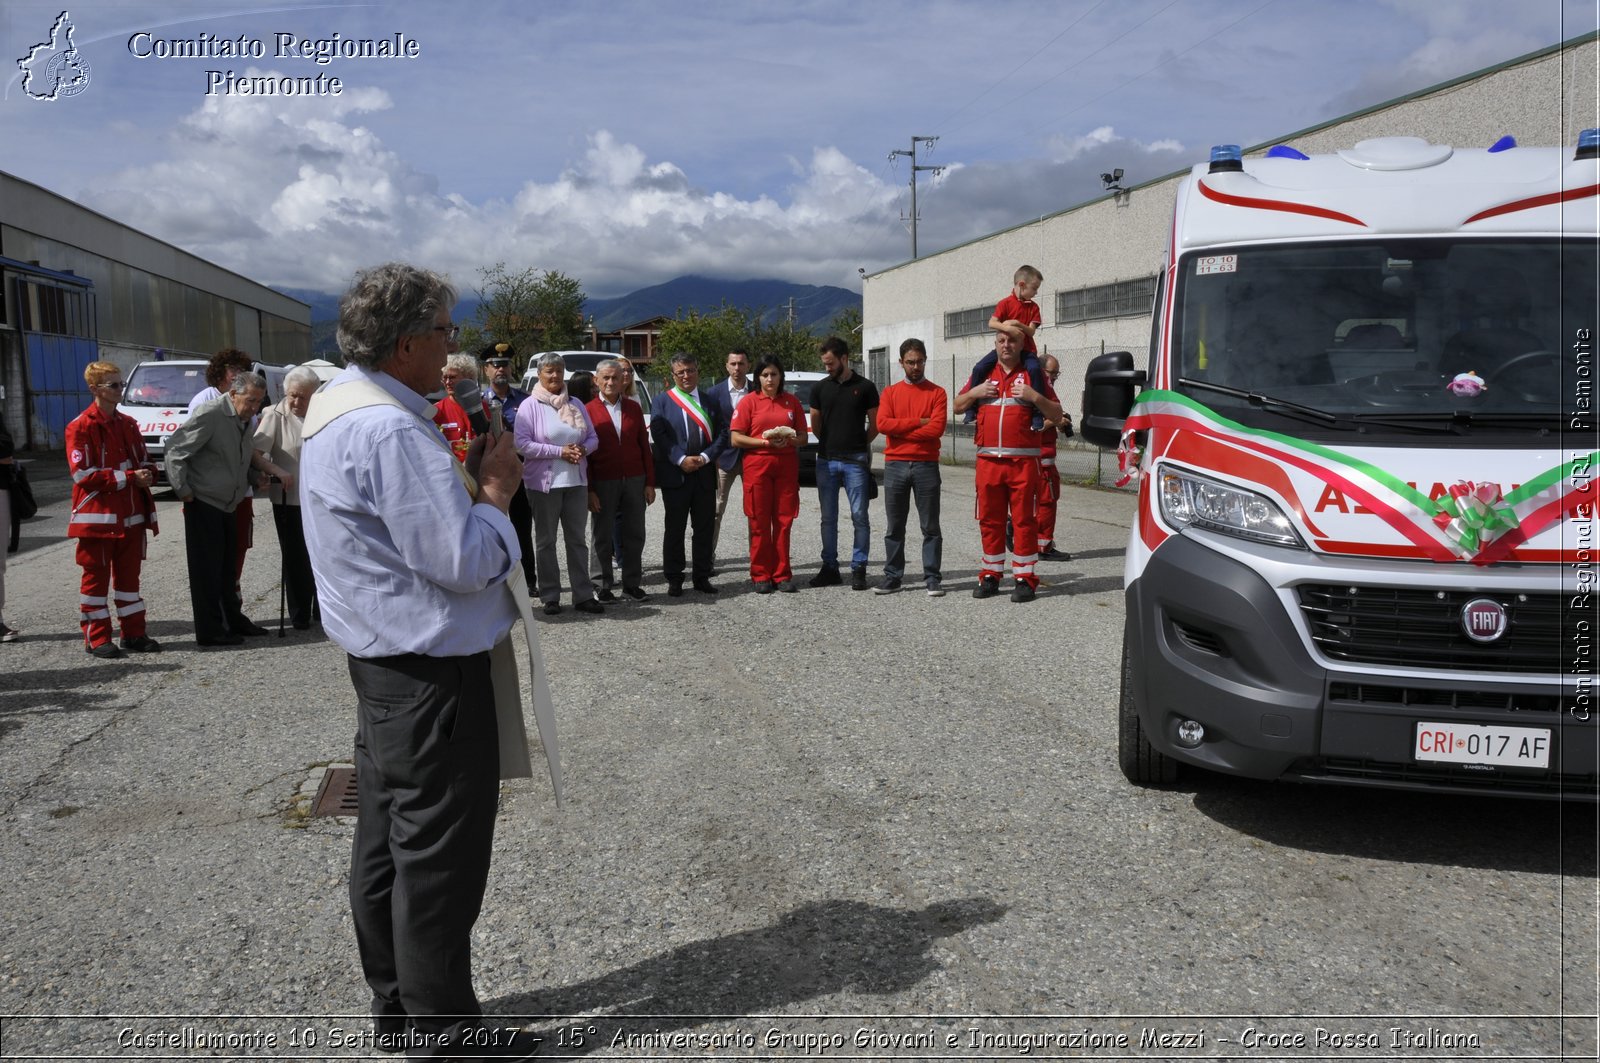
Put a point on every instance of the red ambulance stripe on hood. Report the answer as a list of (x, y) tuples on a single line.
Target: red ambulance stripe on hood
[(1277, 204), (1564, 196)]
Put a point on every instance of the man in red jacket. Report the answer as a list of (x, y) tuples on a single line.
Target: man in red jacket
[(1008, 469), (911, 418), (111, 510), (622, 481)]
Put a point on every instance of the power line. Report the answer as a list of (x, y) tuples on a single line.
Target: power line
[(1013, 71)]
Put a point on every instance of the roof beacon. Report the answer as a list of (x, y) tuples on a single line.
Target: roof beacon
[(1507, 141), (1588, 145), (1280, 151), (1226, 158)]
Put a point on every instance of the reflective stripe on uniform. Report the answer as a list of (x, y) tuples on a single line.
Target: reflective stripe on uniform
[(125, 596), (129, 610), (96, 518), (96, 614), (89, 599), (1008, 452), (78, 477), (1047, 461)]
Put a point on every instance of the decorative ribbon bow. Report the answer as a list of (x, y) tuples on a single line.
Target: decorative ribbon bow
[(1473, 515)]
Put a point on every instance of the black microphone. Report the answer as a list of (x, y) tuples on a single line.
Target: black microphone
[(467, 392)]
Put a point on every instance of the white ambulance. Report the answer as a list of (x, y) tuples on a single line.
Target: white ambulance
[(157, 398), (1365, 545)]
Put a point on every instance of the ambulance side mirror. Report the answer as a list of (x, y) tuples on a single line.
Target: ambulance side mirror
[(1109, 385)]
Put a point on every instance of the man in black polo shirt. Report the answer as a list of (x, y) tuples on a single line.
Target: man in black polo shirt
[(844, 418)]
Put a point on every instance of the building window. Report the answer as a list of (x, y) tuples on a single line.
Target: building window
[(1122, 299), (974, 322), (878, 366), (47, 308)]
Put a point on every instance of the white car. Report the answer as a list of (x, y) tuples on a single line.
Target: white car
[(587, 362), (800, 383)]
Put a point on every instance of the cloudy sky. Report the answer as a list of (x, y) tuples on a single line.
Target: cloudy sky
[(627, 142)]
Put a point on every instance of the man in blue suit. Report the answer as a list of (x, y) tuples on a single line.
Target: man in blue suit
[(688, 436), (725, 394)]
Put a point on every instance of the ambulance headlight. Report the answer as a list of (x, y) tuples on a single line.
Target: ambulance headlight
[(1191, 501)]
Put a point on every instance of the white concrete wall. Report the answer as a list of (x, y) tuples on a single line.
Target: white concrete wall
[(1543, 100)]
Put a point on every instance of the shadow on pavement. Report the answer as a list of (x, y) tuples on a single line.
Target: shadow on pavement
[(819, 949)]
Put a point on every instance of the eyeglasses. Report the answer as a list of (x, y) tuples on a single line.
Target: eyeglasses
[(450, 331), (113, 385)]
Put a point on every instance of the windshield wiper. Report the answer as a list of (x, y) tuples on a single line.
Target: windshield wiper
[(1263, 402), (1451, 420)]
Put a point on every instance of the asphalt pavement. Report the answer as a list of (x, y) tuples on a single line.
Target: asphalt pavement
[(823, 825)]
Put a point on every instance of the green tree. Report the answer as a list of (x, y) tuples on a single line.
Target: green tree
[(710, 336), (532, 309), (846, 324)]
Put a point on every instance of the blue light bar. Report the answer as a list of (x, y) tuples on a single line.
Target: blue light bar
[(1280, 151), (1588, 145), (1503, 143)]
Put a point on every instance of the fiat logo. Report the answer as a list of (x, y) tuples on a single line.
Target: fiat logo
[(1484, 620)]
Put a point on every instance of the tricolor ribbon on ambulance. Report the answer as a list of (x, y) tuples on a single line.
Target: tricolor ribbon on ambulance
[(1471, 522)]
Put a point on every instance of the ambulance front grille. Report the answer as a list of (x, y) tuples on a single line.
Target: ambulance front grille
[(1422, 629)]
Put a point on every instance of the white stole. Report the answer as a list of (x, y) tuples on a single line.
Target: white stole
[(516, 760)]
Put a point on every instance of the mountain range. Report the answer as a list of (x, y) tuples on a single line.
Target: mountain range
[(814, 306)]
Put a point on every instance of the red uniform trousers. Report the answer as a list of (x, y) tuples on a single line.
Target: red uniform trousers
[(1049, 495), (771, 502), (111, 585), (1008, 488)]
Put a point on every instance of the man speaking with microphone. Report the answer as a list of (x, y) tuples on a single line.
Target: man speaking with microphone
[(412, 550)]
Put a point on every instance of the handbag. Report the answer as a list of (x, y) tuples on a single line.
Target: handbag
[(23, 505)]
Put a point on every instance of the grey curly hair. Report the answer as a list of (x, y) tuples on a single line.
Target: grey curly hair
[(386, 303)]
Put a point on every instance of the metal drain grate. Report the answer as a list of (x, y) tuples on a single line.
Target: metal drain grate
[(337, 794)]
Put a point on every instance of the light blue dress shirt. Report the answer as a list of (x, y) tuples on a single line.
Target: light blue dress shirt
[(405, 561)]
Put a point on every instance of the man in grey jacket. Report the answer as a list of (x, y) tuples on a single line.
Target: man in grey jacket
[(208, 463)]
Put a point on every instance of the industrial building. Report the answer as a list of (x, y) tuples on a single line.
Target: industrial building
[(1100, 258), (77, 286)]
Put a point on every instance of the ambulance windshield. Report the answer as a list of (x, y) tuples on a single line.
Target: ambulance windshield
[(1479, 332), (164, 383)]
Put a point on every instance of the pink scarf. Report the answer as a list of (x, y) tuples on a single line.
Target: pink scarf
[(562, 403)]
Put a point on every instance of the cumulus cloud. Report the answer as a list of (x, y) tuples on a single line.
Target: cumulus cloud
[(298, 193)]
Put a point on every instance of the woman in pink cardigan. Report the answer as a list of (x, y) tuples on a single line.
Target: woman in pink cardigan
[(555, 437)]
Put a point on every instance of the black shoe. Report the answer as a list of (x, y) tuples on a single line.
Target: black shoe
[(142, 644), (988, 587), (636, 593), (552, 608), (391, 1033), (827, 576), (605, 596), (788, 587), (1023, 592), (591, 606), (675, 588), (888, 586), (858, 579), (763, 586), (106, 651), (301, 625), (1050, 553), (219, 640), (704, 586), (248, 627)]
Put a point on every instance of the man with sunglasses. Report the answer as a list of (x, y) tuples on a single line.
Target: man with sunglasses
[(111, 510)]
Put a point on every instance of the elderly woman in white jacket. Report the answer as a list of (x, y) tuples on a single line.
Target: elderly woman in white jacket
[(555, 437), (277, 444)]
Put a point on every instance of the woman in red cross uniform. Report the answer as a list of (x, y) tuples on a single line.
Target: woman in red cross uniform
[(770, 427)]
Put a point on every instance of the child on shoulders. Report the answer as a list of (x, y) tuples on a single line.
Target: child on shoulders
[(1019, 315)]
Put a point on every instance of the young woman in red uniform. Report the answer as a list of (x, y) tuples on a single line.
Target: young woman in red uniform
[(771, 473)]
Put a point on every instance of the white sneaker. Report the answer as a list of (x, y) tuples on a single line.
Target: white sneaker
[(935, 589), (8, 634)]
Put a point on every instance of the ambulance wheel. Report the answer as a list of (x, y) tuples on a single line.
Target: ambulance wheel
[(1140, 761)]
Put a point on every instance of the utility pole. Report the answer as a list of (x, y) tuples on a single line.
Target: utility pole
[(937, 170)]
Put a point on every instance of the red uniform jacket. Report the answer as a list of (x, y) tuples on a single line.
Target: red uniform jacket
[(102, 449)]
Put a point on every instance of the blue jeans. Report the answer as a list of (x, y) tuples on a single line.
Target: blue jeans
[(901, 481), (851, 471)]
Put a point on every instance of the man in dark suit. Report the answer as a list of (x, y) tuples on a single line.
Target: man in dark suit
[(726, 395), (689, 436), (622, 482)]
